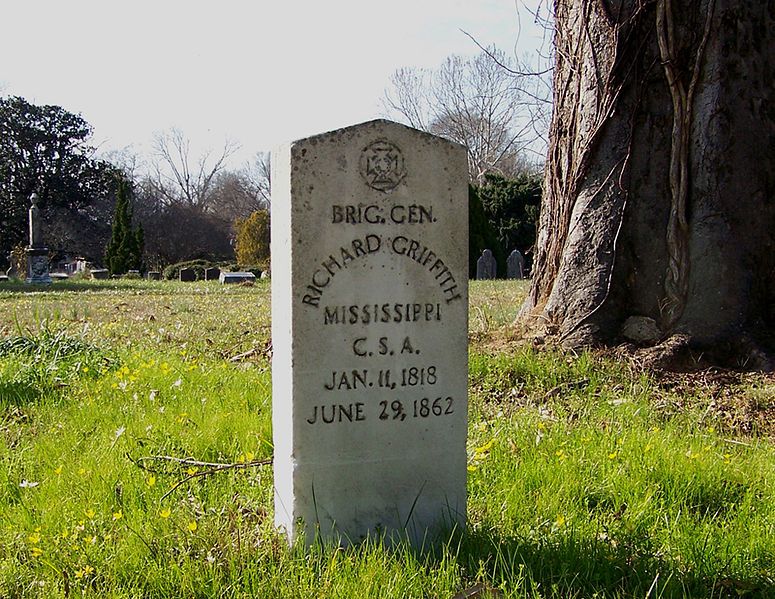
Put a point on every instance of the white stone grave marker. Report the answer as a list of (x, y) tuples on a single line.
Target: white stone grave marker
[(369, 329)]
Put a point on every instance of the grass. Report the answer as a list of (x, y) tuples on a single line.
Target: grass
[(587, 477)]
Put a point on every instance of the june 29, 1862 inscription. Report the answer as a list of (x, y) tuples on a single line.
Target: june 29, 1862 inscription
[(369, 329)]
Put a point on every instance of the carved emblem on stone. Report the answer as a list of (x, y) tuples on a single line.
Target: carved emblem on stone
[(382, 165)]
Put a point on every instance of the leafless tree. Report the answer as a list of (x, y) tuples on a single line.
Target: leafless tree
[(179, 177), (258, 172), (480, 102)]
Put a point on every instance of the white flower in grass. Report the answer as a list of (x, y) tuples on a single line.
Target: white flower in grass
[(27, 484), (177, 383), (119, 431)]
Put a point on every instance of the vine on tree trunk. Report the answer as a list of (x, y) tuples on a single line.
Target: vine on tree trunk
[(677, 276)]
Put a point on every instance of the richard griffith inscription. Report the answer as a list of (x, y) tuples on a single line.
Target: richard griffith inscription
[(369, 296)]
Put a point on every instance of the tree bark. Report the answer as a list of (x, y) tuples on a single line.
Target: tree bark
[(659, 196)]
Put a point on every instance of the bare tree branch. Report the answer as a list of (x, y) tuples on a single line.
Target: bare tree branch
[(178, 177)]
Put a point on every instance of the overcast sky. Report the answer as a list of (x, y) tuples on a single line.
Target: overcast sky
[(259, 72)]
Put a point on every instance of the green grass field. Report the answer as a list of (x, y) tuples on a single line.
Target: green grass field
[(135, 447)]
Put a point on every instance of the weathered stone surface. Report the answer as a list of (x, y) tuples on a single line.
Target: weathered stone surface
[(236, 277), (212, 274), (486, 267), (187, 275), (37, 266), (641, 330), (515, 265), (369, 331)]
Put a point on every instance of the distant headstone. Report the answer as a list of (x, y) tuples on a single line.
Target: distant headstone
[(99, 273), (486, 267), (13, 268), (3, 278), (187, 275), (369, 331), (37, 254), (212, 274), (133, 273), (154, 275), (59, 276), (236, 277), (515, 265)]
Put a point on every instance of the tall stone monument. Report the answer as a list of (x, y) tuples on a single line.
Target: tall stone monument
[(37, 253), (369, 331)]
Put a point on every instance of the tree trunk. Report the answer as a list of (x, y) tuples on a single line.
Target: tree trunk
[(659, 197)]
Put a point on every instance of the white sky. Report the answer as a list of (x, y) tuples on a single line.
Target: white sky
[(258, 72)]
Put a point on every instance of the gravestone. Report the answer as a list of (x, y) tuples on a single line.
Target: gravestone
[(212, 274), (99, 273), (369, 331), (13, 268), (3, 278), (187, 275), (236, 277), (37, 253), (486, 267), (154, 275), (515, 265)]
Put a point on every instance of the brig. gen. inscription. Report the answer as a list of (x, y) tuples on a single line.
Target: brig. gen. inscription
[(369, 331)]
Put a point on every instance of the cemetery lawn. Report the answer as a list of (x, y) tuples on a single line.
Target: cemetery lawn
[(136, 445)]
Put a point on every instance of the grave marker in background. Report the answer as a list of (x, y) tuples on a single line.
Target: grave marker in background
[(515, 265), (369, 331), (37, 253), (486, 267)]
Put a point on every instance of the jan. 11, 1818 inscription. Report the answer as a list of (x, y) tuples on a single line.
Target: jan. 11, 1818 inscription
[(369, 329)]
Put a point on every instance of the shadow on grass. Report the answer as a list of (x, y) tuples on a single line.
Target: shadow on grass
[(19, 393), (571, 567)]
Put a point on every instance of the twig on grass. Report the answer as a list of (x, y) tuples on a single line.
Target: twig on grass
[(213, 467), (243, 356), (735, 442), (569, 385), (181, 461)]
